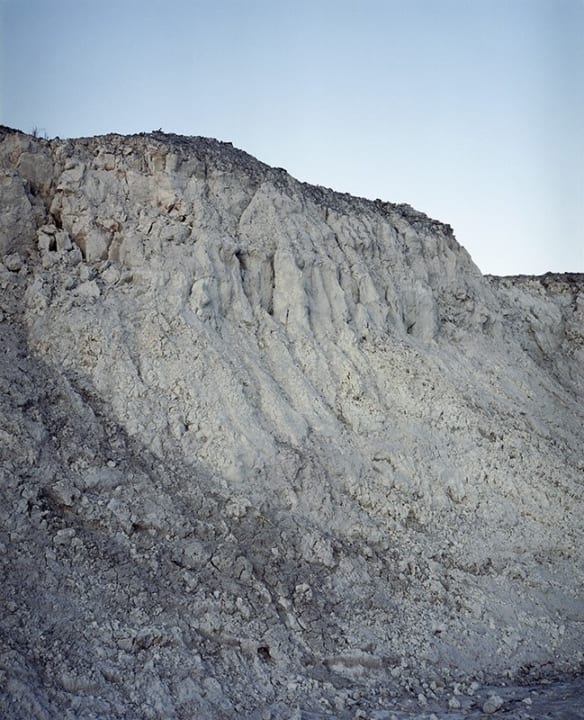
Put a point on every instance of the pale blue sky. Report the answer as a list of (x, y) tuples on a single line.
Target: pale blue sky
[(471, 111)]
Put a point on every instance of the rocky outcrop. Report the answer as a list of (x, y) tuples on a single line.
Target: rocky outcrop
[(266, 443)]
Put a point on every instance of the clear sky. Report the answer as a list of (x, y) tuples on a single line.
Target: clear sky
[(470, 110)]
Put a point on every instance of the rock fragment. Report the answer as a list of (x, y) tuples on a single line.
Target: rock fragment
[(492, 704)]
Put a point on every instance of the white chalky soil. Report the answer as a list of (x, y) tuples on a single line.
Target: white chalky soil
[(271, 451)]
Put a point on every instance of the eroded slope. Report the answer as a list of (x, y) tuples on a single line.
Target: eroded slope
[(266, 442)]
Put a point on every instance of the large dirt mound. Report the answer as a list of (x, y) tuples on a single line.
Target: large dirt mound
[(265, 446)]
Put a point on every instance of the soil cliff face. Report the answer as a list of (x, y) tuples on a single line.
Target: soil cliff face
[(266, 443)]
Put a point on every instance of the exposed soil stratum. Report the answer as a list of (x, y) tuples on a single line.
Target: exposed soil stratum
[(272, 451)]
